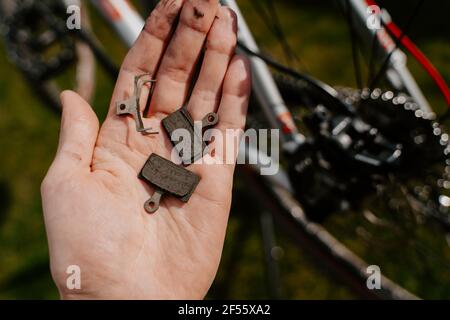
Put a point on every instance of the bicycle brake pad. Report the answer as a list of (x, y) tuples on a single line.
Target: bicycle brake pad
[(132, 107), (181, 119), (167, 177)]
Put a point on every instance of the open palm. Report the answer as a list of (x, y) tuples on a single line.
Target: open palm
[(92, 197)]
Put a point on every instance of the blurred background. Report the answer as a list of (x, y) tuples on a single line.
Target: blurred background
[(29, 132)]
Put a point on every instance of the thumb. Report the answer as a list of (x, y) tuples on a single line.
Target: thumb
[(78, 135)]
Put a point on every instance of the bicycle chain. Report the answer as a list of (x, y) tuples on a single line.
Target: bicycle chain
[(409, 112)]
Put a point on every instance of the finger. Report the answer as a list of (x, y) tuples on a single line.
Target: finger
[(177, 66), (78, 135), (236, 93), (217, 178), (146, 53), (220, 47), (232, 115)]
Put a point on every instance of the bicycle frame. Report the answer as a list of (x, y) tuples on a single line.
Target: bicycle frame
[(123, 17)]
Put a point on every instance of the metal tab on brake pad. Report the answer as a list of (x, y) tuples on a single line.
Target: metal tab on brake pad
[(181, 119), (167, 177), (132, 107)]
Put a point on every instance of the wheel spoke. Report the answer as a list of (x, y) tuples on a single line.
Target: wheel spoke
[(354, 43)]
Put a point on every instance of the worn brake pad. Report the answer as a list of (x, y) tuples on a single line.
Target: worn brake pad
[(181, 119), (169, 178)]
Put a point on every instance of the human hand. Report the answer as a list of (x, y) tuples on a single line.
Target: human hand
[(92, 197)]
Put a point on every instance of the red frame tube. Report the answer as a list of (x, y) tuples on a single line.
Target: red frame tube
[(418, 55)]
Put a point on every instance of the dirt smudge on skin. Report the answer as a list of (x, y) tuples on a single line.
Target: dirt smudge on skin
[(198, 14)]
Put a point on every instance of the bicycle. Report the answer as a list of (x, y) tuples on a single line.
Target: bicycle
[(353, 149)]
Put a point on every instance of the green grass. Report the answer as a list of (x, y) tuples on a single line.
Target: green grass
[(28, 140)]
